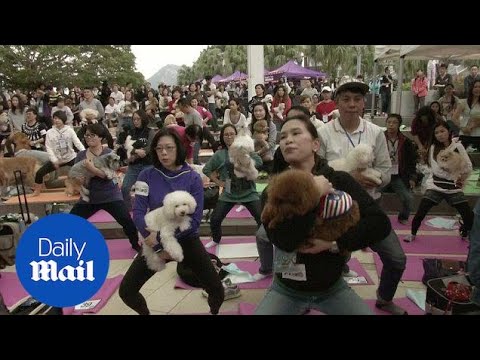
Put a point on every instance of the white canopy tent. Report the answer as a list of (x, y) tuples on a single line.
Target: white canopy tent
[(421, 52)]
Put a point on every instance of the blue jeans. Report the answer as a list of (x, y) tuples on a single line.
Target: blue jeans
[(221, 211), (265, 251), (405, 195), (129, 180), (473, 261), (340, 299), (394, 261)]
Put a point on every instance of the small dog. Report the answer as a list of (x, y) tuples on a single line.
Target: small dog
[(239, 153), (88, 116), (295, 193), (260, 137), (8, 166), (177, 206), (79, 177), (452, 162), (279, 110), (360, 158)]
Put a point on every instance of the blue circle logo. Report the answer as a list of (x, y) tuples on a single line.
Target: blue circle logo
[(62, 260)]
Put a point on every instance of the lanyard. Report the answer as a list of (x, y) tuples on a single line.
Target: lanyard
[(393, 150), (350, 139)]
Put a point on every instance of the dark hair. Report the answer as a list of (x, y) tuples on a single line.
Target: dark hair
[(438, 145), (222, 131), (387, 68), (300, 108), (61, 115), (33, 110), (267, 114), (236, 101), (143, 116), (443, 66), (306, 121), (395, 116), (470, 94), (439, 106), (181, 152), (208, 77), (262, 86), (184, 102), (97, 129), (194, 131)]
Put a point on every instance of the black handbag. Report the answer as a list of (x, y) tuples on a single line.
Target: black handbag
[(210, 197)]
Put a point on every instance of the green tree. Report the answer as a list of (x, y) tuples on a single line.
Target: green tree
[(25, 66)]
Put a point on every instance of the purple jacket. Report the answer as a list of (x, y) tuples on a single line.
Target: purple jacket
[(154, 183)]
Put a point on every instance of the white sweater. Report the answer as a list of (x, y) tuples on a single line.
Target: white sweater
[(59, 143)]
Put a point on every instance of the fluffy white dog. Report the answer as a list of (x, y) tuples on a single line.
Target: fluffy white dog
[(177, 206), (452, 162), (360, 158), (239, 153)]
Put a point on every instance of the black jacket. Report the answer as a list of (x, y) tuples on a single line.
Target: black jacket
[(325, 268)]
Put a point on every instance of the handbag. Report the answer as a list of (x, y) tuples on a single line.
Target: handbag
[(438, 268), (210, 197)]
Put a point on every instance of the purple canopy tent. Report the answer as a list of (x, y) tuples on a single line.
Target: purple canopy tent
[(236, 76), (217, 78), (295, 71)]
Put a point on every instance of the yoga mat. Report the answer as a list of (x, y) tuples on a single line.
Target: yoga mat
[(106, 291), (250, 266), (11, 288), (397, 226), (404, 303), (235, 251), (414, 268), (232, 240), (120, 249), (356, 266), (244, 214), (435, 244)]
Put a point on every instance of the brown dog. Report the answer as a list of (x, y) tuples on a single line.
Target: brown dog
[(26, 165), (295, 193)]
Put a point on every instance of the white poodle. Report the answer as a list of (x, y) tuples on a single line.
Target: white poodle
[(177, 206), (360, 158), (239, 153)]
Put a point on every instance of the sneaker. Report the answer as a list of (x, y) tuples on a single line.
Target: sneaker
[(232, 291), (409, 238), (350, 273), (403, 221), (258, 276), (210, 244)]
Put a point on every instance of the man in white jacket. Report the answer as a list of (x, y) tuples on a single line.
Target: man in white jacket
[(59, 142)]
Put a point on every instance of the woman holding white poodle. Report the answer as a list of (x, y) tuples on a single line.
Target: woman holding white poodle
[(235, 190), (169, 173), (310, 276)]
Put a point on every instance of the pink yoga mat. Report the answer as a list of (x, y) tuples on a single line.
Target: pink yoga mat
[(120, 249), (11, 288), (105, 293), (244, 214), (435, 244), (404, 303), (414, 268), (250, 266), (102, 216), (397, 226), (355, 265)]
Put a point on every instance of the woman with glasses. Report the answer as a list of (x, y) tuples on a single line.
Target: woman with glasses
[(235, 190), (169, 173), (142, 136), (104, 193)]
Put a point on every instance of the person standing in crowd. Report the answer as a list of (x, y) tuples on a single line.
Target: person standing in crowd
[(448, 103), (467, 117), (441, 185), (235, 190), (169, 173), (386, 87), (16, 113), (104, 193), (442, 80), (211, 90), (403, 172), (419, 89), (422, 130), (233, 115), (327, 105), (322, 286), (337, 139), (89, 102), (259, 97), (142, 136), (59, 142), (470, 79)]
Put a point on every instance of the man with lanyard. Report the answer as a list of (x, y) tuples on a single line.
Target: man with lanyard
[(337, 139)]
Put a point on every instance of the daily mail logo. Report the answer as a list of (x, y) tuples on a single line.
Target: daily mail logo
[(62, 260)]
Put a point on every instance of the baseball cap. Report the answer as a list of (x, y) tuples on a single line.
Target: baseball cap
[(351, 83), (326, 89)]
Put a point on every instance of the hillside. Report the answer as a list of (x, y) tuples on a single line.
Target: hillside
[(167, 75)]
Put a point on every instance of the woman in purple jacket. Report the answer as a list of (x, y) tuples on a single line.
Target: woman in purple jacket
[(169, 173)]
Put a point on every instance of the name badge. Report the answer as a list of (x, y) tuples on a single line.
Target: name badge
[(325, 118), (297, 273), (62, 144)]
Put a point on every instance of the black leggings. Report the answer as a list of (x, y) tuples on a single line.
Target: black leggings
[(195, 257), (119, 212), (463, 209), (47, 168)]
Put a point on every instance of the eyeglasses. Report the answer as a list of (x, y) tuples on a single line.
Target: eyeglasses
[(90, 136), (168, 149)]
